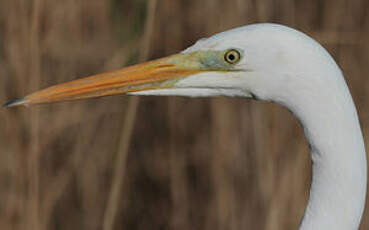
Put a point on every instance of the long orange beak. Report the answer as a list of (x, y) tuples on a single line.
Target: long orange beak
[(157, 74)]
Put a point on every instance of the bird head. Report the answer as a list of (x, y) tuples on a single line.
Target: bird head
[(251, 61)]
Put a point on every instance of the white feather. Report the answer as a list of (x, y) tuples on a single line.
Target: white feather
[(285, 66)]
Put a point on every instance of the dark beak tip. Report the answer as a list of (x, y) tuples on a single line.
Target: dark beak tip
[(13, 103)]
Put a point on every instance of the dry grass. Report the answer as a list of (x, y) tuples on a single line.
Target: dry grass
[(192, 163)]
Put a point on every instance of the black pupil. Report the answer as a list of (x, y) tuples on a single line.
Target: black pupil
[(231, 57)]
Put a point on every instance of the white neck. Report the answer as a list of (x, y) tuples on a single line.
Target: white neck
[(331, 126), (287, 67), (339, 166)]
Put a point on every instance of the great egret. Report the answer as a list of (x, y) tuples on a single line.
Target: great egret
[(267, 62)]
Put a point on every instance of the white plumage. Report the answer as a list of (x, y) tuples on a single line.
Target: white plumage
[(267, 62), (287, 67)]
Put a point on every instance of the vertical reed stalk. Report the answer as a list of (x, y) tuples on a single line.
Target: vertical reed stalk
[(126, 133), (34, 156)]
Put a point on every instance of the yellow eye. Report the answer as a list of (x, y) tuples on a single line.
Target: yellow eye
[(232, 56)]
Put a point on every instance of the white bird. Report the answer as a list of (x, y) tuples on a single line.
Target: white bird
[(266, 62)]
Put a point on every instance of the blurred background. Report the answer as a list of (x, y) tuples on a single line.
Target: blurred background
[(156, 162)]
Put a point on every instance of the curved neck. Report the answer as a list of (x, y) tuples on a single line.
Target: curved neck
[(339, 166)]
